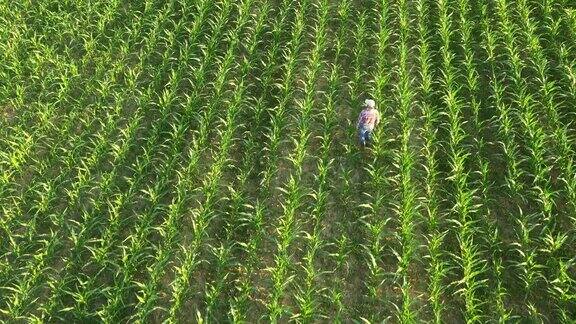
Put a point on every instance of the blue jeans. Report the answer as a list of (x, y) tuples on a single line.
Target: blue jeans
[(365, 135)]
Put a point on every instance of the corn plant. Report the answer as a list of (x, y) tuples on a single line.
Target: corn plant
[(285, 89), (469, 259), (406, 205), (253, 217), (197, 161), (50, 162), (18, 148), (119, 150), (549, 98), (149, 293), (99, 252), (216, 286), (82, 178), (530, 269), (436, 267), (158, 189), (308, 294), (502, 311), (374, 198), (340, 244), (293, 192)]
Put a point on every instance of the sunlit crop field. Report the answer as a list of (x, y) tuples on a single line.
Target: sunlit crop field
[(197, 160)]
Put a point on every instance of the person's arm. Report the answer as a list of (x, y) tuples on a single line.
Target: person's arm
[(359, 120)]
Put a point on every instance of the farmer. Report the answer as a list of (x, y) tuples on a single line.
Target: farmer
[(368, 119)]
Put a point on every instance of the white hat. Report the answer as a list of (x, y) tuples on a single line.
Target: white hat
[(370, 103)]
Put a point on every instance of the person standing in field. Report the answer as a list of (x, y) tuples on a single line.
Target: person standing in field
[(367, 121)]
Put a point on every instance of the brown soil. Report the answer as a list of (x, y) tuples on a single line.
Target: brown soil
[(8, 113)]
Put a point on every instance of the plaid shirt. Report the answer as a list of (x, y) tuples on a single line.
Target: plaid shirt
[(368, 119)]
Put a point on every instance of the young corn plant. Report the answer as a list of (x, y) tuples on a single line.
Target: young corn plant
[(238, 223), (209, 192), (27, 133), (567, 142), (481, 186), (285, 93), (278, 123), (132, 250), (469, 257), (254, 216), (549, 98), (437, 268), (352, 33), (215, 288), (163, 178), (513, 184), (105, 91), (254, 219), (499, 292), (348, 19), (374, 196), (84, 226), (141, 165), (81, 184), (308, 293), (205, 212), (149, 293), (82, 233), (15, 207), (321, 196), (52, 309), (293, 190), (530, 272), (360, 37), (562, 288), (567, 68), (197, 161), (406, 205), (336, 291), (118, 150), (120, 203)]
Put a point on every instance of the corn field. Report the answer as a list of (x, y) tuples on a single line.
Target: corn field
[(189, 161)]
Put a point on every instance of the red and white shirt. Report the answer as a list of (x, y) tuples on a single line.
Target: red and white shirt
[(368, 119)]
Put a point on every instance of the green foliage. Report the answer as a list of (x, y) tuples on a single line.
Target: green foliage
[(197, 161)]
